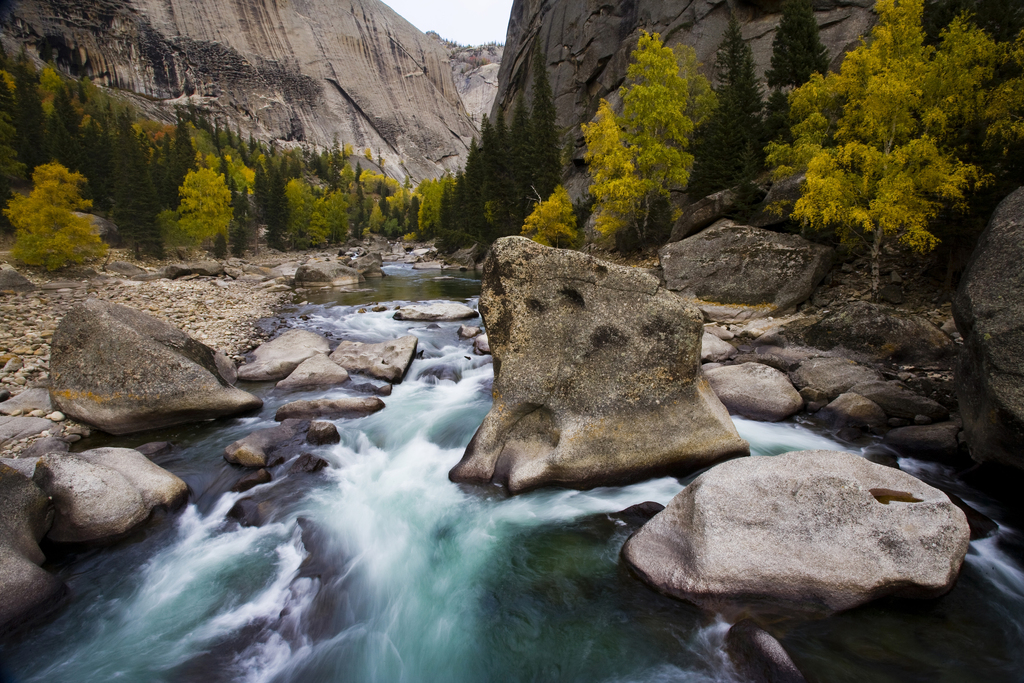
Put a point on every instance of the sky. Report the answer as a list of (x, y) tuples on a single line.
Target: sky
[(469, 22)]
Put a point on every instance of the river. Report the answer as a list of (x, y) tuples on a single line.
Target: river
[(378, 569)]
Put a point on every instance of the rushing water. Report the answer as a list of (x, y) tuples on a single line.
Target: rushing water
[(380, 569)]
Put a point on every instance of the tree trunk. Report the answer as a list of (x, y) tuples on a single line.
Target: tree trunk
[(876, 257)]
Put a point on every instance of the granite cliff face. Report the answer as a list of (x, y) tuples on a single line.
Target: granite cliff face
[(304, 70), (586, 44), (475, 71)]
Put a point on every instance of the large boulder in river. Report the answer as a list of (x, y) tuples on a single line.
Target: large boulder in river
[(821, 531), (316, 372), (125, 371), (832, 376), (26, 514), (388, 360), (369, 265), (597, 376), (326, 273), (989, 313), (736, 272), (102, 497), (277, 358), (876, 332), (756, 391)]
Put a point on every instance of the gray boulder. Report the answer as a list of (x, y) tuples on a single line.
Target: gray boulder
[(369, 265), (876, 332), (124, 268), (468, 257), (715, 350), (482, 346), (898, 401), (756, 391), (832, 376), (256, 449), (27, 401), (388, 360), (226, 367), (777, 207), (205, 268), (468, 332), (329, 408), (820, 531), (16, 428), (157, 486), (315, 372), (929, 442), (622, 402), (50, 444), (989, 310), (326, 273), (758, 657), (11, 281), (125, 371), (276, 359), (852, 410), (736, 272), (703, 213), (436, 313), (26, 514), (321, 433), (94, 503)]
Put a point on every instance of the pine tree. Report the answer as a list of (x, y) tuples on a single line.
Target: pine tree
[(729, 146), (180, 162), (135, 198), (547, 152), (98, 160), (521, 160), (797, 51), (62, 131), (276, 210), (28, 115)]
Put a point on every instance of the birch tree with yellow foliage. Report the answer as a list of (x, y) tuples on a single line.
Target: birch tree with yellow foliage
[(637, 158), (878, 139)]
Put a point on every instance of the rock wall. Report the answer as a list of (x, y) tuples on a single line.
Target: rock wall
[(475, 72), (587, 44), (306, 71)]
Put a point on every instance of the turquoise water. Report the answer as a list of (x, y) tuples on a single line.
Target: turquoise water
[(378, 569)]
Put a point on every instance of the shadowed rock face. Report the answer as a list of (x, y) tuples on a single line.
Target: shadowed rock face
[(597, 376), (737, 272), (309, 70), (989, 312), (586, 46)]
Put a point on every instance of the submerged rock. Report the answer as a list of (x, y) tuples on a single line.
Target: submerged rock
[(929, 442), (819, 531), (623, 402), (125, 371), (758, 656), (736, 272), (26, 515), (989, 313), (252, 480), (329, 408), (388, 360), (278, 358), (756, 391), (852, 410), (256, 449)]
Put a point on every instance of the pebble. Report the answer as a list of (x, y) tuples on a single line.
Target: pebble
[(56, 416)]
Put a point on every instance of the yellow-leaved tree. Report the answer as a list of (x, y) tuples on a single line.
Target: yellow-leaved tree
[(47, 232), (329, 221), (877, 139), (637, 158), (553, 221), (205, 207)]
